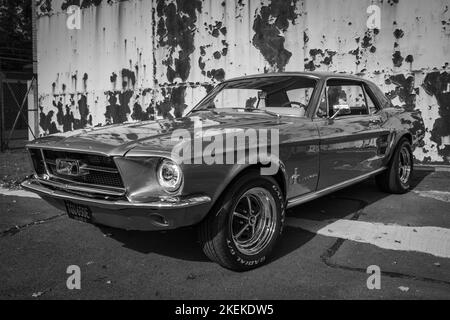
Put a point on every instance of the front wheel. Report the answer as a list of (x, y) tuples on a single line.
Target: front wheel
[(243, 227), (397, 178)]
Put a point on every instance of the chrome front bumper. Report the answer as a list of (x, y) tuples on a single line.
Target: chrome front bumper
[(123, 214)]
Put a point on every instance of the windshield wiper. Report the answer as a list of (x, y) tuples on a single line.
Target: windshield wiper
[(197, 110), (261, 110), (204, 109)]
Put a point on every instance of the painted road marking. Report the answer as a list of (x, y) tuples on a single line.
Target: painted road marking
[(431, 240), (437, 195), (18, 193)]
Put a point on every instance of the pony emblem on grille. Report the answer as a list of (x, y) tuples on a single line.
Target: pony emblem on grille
[(69, 167)]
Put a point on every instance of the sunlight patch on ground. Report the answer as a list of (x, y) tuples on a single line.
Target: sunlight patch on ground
[(431, 240), (434, 194), (18, 193)]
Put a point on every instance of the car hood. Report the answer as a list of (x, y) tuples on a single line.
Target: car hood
[(150, 136)]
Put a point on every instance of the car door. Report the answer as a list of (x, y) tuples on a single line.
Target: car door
[(299, 138), (352, 144)]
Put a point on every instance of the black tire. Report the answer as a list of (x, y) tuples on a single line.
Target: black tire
[(216, 231), (391, 180)]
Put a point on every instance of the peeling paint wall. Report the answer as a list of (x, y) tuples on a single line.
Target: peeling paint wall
[(146, 59)]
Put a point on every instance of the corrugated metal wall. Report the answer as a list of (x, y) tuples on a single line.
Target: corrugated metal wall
[(141, 59)]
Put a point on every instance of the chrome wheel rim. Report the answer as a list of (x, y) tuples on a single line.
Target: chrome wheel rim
[(253, 221), (404, 165)]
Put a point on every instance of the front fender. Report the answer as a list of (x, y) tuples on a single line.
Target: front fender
[(237, 170), (404, 124)]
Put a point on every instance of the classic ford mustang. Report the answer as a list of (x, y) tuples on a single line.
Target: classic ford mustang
[(327, 131)]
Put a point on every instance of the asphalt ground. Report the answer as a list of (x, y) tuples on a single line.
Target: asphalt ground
[(324, 252)]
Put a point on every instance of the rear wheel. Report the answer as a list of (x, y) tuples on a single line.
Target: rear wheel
[(397, 178), (243, 227)]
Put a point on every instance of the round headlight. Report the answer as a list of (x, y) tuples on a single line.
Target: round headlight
[(169, 175)]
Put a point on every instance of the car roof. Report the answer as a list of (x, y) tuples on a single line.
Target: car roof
[(309, 74)]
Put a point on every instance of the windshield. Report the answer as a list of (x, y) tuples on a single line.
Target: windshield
[(286, 95)]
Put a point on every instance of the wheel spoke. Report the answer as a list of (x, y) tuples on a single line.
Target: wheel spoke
[(249, 205), (237, 214), (242, 231)]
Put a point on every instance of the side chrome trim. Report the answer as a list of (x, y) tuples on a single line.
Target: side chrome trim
[(35, 186), (314, 195)]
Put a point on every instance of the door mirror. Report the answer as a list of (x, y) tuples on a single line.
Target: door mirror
[(262, 95), (341, 110)]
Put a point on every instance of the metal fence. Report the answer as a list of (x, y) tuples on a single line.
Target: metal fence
[(16, 127)]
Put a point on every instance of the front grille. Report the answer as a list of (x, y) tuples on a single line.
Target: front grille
[(93, 177), (89, 159), (100, 170)]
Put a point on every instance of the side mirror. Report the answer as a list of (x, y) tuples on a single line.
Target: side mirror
[(262, 95), (340, 110)]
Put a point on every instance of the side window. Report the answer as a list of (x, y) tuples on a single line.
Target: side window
[(300, 97), (351, 95)]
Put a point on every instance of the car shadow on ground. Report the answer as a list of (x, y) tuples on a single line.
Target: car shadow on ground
[(180, 243), (183, 244), (347, 203)]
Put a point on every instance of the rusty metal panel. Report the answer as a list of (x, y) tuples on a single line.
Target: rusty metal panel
[(98, 74), (145, 59)]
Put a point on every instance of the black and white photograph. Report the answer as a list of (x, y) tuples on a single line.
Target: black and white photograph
[(223, 156)]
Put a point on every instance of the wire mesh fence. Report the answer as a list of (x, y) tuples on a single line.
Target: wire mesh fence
[(14, 107)]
